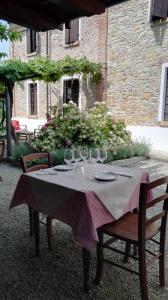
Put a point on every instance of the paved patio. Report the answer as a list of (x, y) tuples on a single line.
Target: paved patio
[(58, 275)]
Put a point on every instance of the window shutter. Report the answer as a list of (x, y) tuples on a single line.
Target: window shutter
[(160, 9), (34, 46), (37, 41), (166, 100), (74, 31), (28, 40), (67, 35)]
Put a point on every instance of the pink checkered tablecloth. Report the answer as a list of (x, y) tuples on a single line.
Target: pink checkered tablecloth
[(82, 203)]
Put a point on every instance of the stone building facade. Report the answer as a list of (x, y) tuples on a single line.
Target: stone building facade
[(90, 43), (137, 57), (132, 47)]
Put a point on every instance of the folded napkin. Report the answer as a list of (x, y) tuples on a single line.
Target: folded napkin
[(46, 173)]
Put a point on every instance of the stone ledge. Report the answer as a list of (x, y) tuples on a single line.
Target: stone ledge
[(128, 162)]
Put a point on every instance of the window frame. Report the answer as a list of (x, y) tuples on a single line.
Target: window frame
[(66, 78), (66, 45), (37, 43), (164, 79), (28, 98)]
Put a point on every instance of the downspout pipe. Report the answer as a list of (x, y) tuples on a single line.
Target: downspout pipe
[(47, 86)]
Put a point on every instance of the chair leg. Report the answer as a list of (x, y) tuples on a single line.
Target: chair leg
[(135, 252), (36, 232), (142, 273), (99, 267), (31, 220), (127, 252), (161, 271), (162, 260), (86, 268), (49, 232)]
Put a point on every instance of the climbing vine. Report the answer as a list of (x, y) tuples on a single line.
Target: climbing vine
[(48, 70)]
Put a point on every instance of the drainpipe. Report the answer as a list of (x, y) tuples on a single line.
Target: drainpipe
[(8, 122), (47, 87), (105, 75)]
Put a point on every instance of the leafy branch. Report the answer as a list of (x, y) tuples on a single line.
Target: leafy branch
[(8, 34), (48, 70)]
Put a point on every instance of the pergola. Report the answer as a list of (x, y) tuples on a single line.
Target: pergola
[(43, 15)]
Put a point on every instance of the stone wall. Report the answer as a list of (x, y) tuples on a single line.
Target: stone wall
[(136, 50)]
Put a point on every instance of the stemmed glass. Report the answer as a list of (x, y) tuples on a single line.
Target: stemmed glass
[(102, 155), (84, 153), (94, 155), (77, 156), (68, 156)]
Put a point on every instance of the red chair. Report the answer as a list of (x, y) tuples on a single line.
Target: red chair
[(21, 130), (16, 125)]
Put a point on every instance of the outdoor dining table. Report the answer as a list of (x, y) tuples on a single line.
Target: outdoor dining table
[(85, 198)]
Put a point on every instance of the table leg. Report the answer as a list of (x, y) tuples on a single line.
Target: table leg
[(86, 267), (36, 232)]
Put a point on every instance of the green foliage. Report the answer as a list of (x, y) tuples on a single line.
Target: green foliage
[(21, 150), (48, 70), (134, 149), (14, 70), (58, 156), (7, 34), (72, 127)]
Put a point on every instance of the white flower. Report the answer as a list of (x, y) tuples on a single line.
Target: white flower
[(65, 105), (71, 102), (109, 113)]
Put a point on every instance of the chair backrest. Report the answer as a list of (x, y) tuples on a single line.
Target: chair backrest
[(40, 160), (161, 214)]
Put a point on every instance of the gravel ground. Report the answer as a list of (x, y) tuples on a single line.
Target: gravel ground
[(58, 275)]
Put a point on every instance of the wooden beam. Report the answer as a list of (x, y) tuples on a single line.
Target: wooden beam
[(27, 18), (89, 6)]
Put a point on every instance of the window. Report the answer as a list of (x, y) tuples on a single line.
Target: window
[(159, 9), (71, 91), (32, 99), (165, 108), (31, 36), (72, 34)]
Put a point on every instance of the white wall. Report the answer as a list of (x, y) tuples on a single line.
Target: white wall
[(156, 136), (31, 123)]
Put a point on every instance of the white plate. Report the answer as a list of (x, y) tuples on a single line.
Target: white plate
[(105, 177), (64, 168)]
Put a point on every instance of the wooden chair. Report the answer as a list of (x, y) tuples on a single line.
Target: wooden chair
[(137, 229), (41, 164)]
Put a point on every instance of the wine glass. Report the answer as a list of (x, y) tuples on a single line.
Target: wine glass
[(77, 156), (94, 155), (102, 155), (84, 153), (68, 156)]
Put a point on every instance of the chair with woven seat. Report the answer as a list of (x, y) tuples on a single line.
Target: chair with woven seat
[(136, 229), (41, 161)]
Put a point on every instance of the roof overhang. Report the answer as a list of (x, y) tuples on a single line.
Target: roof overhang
[(43, 15)]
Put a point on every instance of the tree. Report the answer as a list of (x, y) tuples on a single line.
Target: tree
[(8, 34)]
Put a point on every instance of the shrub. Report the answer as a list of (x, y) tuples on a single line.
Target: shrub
[(71, 127), (21, 150)]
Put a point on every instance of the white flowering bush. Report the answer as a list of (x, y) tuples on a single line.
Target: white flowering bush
[(72, 127)]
